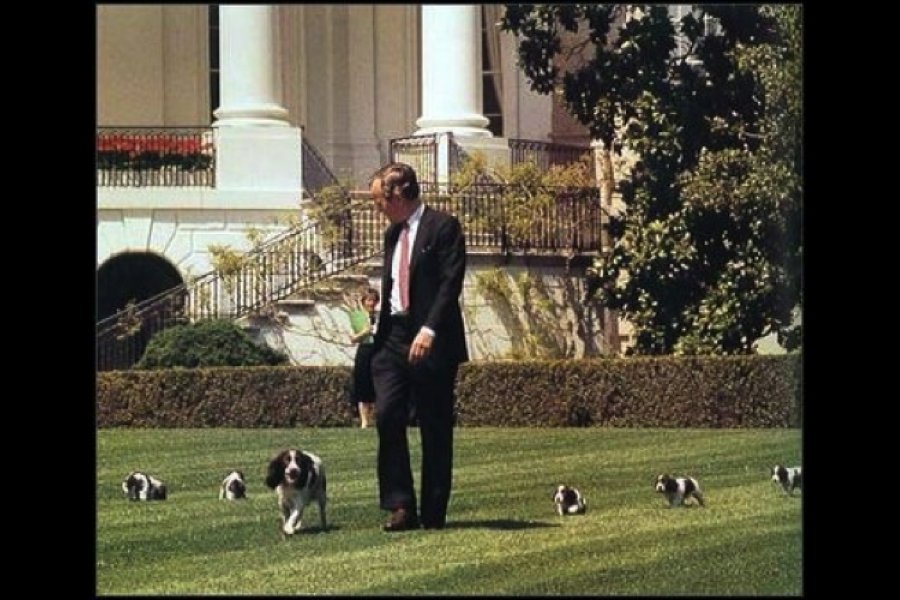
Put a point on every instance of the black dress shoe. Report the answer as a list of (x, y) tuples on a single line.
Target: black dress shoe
[(432, 525), (401, 520)]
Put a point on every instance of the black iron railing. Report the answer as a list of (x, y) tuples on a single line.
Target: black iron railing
[(544, 154), (316, 174), (423, 153), (569, 221), (153, 156)]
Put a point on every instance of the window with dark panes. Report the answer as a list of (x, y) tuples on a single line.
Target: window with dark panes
[(213, 23), (492, 89)]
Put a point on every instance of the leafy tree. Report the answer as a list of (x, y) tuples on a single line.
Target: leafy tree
[(708, 251)]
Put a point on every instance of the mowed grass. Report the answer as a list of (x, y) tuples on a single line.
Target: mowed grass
[(503, 536)]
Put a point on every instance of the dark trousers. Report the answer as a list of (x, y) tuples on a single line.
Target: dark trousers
[(401, 390)]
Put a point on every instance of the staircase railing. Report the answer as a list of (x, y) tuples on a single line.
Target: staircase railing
[(290, 262), (316, 174)]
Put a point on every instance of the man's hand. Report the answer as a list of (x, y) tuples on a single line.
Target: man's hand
[(420, 347)]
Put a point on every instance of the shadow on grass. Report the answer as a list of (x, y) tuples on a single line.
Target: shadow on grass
[(499, 524)]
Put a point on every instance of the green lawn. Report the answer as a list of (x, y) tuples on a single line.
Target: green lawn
[(503, 536)]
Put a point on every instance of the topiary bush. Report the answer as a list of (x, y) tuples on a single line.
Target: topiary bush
[(208, 343)]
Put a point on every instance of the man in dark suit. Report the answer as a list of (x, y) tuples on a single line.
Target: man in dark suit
[(419, 345)]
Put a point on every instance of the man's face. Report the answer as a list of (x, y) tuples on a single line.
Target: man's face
[(392, 208)]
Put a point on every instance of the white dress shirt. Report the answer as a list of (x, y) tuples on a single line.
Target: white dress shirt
[(413, 223)]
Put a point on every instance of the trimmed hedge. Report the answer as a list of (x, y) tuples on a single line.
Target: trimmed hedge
[(723, 392), (757, 391)]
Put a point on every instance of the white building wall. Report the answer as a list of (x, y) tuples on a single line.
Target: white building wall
[(397, 56), (351, 79), (130, 65), (185, 65), (152, 65), (359, 152), (291, 36), (318, 333), (182, 235)]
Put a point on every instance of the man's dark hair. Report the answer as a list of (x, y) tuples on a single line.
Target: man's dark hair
[(400, 176)]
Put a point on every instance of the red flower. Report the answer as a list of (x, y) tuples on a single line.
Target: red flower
[(153, 151)]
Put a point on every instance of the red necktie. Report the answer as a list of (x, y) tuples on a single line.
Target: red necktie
[(403, 271)]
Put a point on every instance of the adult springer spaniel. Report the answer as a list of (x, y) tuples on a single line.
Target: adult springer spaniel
[(141, 486), (298, 479)]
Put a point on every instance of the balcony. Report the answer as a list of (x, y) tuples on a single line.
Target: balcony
[(145, 157)]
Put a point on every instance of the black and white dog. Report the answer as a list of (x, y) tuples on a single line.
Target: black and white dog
[(141, 486), (678, 490), (298, 478), (233, 486), (788, 477), (569, 501)]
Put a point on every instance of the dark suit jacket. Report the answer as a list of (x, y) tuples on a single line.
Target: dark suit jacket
[(437, 266)]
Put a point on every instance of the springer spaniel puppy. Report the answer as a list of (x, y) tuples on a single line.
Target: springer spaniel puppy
[(678, 490), (141, 486), (787, 477), (233, 486), (298, 479), (569, 501)]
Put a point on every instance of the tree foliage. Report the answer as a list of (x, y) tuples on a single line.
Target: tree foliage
[(708, 252)]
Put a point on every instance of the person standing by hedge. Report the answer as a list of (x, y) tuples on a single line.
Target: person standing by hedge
[(363, 324)]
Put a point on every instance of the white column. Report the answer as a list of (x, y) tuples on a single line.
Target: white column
[(256, 146), (248, 80), (451, 71)]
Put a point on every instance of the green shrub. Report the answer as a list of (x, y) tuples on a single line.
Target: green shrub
[(700, 392), (208, 343)]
